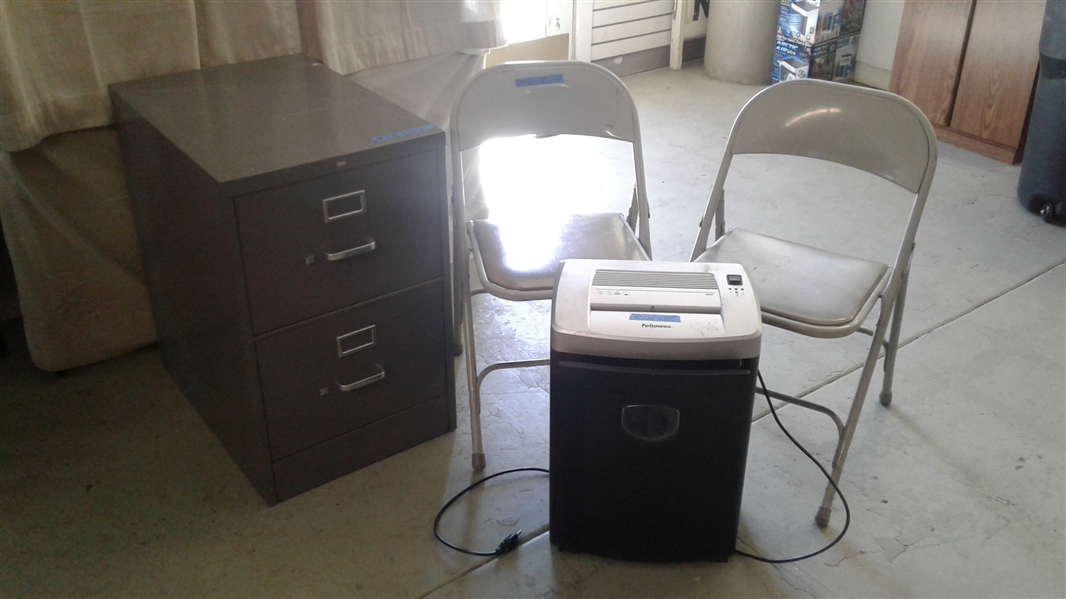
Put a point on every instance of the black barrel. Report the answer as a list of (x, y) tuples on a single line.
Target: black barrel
[(1042, 183)]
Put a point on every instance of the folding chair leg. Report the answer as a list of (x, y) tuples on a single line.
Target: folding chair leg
[(844, 443), (826, 509), (477, 451), (893, 340)]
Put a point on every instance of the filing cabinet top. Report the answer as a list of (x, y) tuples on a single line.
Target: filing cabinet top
[(270, 121)]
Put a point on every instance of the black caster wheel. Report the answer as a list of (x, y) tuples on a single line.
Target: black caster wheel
[(1047, 212)]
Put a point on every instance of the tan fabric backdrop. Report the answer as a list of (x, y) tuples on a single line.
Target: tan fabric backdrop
[(64, 205), (57, 57)]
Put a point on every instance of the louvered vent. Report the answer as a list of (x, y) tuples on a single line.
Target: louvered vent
[(661, 280), (626, 26)]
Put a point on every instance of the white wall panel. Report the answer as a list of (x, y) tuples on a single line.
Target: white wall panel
[(610, 28), (620, 31), (614, 13), (630, 45)]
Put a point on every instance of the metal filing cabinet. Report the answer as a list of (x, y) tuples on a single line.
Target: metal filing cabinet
[(295, 237)]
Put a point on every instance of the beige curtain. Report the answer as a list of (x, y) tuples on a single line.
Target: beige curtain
[(57, 57)]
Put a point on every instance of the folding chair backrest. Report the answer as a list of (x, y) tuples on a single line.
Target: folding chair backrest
[(544, 98), (867, 129)]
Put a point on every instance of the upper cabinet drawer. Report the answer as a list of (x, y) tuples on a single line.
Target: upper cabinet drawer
[(323, 244)]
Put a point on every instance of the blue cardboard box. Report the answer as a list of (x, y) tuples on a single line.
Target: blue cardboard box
[(844, 57), (810, 21), (851, 17), (814, 21), (832, 60)]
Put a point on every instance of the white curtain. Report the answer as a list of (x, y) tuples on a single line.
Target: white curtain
[(58, 56)]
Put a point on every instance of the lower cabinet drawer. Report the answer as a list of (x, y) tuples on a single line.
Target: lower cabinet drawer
[(351, 451), (341, 372)]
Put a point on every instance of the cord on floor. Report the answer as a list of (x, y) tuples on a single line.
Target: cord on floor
[(847, 509), (513, 540), (508, 544)]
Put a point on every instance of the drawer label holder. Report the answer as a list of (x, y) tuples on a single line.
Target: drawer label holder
[(355, 341), (358, 196)]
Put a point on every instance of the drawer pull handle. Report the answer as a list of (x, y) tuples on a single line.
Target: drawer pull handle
[(365, 337), (355, 251), (370, 380), (360, 197)]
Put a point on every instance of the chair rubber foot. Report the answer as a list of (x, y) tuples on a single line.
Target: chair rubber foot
[(477, 460), (822, 517), (886, 399)]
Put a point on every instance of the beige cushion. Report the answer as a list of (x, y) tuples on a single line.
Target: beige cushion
[(800, 283), (524, 256), (68, 225)]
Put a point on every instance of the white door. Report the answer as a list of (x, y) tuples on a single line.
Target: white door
[(690, 22)]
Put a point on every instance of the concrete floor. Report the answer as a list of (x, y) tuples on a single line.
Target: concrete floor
[(110, 484)]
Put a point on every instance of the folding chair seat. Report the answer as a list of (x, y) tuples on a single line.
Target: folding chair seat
[(813, 291), (518, 259), (594, 236)]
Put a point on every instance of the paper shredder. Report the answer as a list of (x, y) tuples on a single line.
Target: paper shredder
[(653, 369)]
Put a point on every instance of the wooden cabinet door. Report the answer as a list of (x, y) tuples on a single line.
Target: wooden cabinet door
[(929, 52), (999, 70)]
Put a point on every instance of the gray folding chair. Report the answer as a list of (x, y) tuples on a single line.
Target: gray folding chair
[(537, 99), (812, 291)]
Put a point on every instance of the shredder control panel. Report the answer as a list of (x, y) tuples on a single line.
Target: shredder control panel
[(655, 310)]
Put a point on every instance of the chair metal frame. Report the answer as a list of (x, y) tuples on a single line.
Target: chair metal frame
[(867, 129), (543, 99)]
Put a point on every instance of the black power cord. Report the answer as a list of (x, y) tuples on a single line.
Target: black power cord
[(508, 543), (847, 510), (511, 541)]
